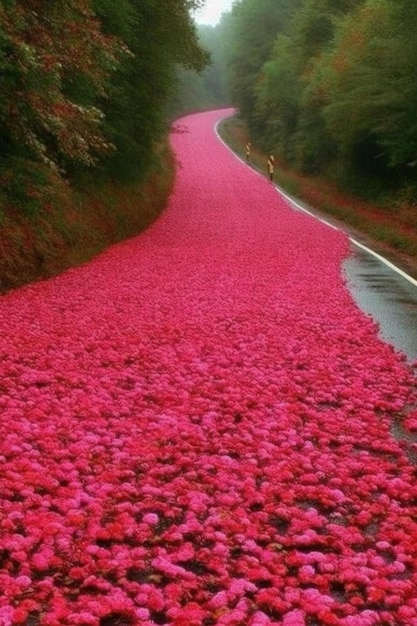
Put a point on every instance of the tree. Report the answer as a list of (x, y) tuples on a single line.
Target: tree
[(161, 36), (312, 32), (368, 78), (44, 48), (277, 100), (205, 89), (290, 101), (253, 29)]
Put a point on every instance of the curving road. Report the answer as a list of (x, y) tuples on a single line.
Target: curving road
[(196, 426), (381, 289)]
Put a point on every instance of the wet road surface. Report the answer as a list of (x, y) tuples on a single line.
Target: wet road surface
[(389, 298)]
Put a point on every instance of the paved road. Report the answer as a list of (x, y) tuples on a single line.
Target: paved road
[(382, 290), (388, 297)]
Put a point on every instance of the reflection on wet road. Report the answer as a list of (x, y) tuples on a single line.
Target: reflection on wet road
[(388, 297)]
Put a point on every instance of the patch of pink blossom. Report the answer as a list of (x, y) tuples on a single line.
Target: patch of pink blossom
[(196, 426)]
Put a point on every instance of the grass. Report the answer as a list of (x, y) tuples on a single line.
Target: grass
[(390, 228)]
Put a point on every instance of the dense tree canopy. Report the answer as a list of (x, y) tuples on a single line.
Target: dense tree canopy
[(252, 32), (208, 88), (45, 51), (329, 85), (86, 82), (161, 36)]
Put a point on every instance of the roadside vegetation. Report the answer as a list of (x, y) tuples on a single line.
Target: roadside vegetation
[(76, 225), (83, 121), (390, 227), (329, 88)]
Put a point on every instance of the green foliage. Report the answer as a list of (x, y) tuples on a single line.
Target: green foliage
[(43, 49), (277, 100), (145, 82), (336, 93), (207, 88), (251, 32), (367, 78), (28, 186), (86, 83)]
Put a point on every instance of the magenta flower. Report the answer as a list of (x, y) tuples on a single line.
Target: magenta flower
[(151, 519), (197, 426)]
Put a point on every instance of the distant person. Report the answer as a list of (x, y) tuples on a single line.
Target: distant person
[(248, 147), (271, 161)]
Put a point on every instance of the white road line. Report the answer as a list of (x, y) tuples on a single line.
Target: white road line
[(380, 258), (304, 209), (393, 267)]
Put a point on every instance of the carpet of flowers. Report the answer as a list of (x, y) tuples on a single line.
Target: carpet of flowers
[(196, 426)]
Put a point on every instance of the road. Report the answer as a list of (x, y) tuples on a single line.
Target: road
[(381, 289), (197, 425), (388, 297)]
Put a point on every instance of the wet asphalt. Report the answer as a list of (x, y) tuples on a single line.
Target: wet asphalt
[(388, 297)]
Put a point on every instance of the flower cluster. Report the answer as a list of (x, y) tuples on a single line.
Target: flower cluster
[(197, 426)]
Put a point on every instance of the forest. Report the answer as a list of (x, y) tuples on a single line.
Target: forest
[(329, 85), (85, 86), (85, 83), (89, 89)]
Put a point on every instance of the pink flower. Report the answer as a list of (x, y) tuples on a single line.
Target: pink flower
[(23, 581), (219, 600), (189, 615), (306, 573), (142, 614), (294, 618), (195, 426), (260, 619), (238, 587), (83, 618)]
